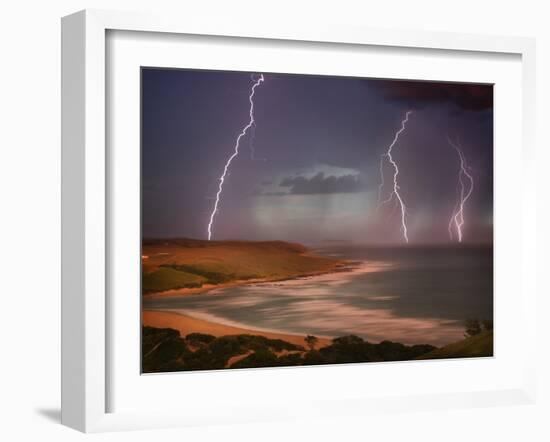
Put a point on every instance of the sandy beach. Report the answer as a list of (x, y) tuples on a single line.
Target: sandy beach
[(186, 324)]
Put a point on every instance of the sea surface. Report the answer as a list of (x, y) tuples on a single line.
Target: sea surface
[(411, 295)]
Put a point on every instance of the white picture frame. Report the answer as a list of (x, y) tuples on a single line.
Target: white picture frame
[(86, 209)]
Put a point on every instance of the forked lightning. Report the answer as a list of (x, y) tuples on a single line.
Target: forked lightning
[(395, 190), (466, 185), (244, 131)]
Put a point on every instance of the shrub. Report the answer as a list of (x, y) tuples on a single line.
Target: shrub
[(204, 359), (162, 350), (290, 359), (422, 349), (150, 337), (392, 351), (260, 358), (227, 346), (314, 357), (473, 327), (348, 340), (311, 341), (350, 349), (197, 339)]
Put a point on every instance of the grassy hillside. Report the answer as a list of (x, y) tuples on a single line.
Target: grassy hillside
[(166, 278), (476, 346), (186, 263)]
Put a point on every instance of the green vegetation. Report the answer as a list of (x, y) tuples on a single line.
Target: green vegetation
[(199, 339), (474, 327), (166, 278), (311, 341), (209, 276), (164, 350), (487, 324), (185, 263), (260, 358), (479, 345), (352, 348)]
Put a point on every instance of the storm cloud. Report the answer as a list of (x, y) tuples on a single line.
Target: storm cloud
[(418, 94), (321, 184)]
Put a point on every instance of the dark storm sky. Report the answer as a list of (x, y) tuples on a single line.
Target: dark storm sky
[(315, 172)]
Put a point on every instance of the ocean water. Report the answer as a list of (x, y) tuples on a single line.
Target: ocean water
[(411, 295)]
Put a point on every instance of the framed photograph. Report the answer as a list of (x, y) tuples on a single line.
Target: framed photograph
[(276, 222), (339, 247)]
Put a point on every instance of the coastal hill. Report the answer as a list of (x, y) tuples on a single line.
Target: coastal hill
[(165, 349), (480, 345), (172, 264)]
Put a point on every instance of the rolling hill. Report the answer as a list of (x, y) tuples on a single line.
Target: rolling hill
[(480, 345), (188, 263)]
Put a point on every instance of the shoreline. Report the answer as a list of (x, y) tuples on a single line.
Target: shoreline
[(186, 324), (336, 267)]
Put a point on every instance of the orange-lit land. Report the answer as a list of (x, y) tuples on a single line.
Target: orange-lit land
[(186, 325)]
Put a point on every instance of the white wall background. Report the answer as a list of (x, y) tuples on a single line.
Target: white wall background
[(30, 217)]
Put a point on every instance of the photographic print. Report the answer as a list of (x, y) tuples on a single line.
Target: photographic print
[(298, 220)]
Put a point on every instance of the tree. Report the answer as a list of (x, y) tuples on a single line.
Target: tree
[(473, 327), (348, 340), (311, 341), (488, 324)]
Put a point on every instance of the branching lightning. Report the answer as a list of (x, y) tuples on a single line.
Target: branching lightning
[(451, 221), (395, 192), (466, 187), (243, 132)]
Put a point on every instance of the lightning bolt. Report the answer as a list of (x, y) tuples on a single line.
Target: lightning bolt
[(464, 178), (451, 221), (395, 192), (243, 132)]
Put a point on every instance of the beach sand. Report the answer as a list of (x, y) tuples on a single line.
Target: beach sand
[(186, 324)]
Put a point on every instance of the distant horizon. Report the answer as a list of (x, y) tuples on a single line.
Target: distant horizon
[(326, 242)]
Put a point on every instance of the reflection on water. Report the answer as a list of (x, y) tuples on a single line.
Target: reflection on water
[(409, 295)]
